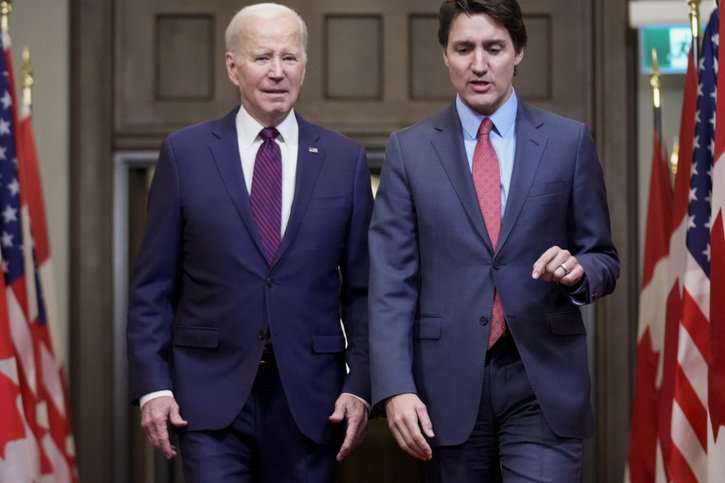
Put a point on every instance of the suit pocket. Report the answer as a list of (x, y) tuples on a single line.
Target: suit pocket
[(203, 337), (326, 344), (428, 328), (551, 188), (566, 323)]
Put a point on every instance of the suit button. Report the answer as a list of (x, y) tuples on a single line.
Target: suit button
[(483, 321), (269, 282), (262, 334)]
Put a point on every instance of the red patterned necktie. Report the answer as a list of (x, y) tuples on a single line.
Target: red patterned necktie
[(487, 181), (266, 195)]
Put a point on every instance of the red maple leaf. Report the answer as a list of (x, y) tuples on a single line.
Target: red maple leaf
[(12, 421)]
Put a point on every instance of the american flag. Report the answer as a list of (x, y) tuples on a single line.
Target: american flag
[(689, 451), (43, 450), (686, 358), (716, 379)]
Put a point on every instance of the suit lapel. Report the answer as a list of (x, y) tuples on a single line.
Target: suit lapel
[(310, 158), (530, 145), (225, 151), (448, 145)]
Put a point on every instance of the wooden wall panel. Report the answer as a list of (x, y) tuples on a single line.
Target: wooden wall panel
[(427, 74), (373, 66), (184, 58), (353, 57), (170, 68), (535, 78)]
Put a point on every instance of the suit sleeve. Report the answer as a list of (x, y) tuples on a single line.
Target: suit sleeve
[(394, 269), (154, 283), (589, 223), (355, 272)]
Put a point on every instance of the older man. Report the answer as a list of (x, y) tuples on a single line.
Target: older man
[(255, 248)]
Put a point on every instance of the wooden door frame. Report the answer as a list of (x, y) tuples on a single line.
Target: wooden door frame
[(91, 292), (91, 230), (615, 130)]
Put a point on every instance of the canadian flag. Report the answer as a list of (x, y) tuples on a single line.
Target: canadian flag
[(37, 445)]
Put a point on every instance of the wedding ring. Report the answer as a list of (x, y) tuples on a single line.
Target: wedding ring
[(566, 270)]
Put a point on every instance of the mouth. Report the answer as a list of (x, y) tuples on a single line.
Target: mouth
[(275, 93), (480, 85)]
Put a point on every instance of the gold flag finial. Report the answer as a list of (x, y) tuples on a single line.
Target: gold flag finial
[(674, 158), (6, 8), (655, 81), (28, 80), (695, 22)]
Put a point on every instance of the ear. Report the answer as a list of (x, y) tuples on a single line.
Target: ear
[(519, 56), (231, 68), (445, 57)]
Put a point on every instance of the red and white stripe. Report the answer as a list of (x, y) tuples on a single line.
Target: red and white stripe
[(716, 377)]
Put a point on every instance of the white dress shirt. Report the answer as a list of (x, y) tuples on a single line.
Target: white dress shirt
[(249, 141)]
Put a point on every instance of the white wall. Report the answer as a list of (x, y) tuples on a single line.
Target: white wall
[(43, 26)]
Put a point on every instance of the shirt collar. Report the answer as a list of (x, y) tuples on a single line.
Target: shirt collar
[(504, 118), (248, 129)]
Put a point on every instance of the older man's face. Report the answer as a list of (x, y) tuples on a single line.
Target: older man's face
[(268, 66)]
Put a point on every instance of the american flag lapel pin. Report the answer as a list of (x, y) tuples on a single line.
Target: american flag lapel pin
[(312, 150)]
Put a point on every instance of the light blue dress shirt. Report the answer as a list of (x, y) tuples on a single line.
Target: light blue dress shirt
[(503, 137)]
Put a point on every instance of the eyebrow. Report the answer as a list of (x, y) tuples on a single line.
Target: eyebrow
[(487, 43)]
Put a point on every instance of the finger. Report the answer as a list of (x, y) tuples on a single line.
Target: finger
[(400, 433), (402, 441), (353, 438), (175, 417), (554, 274), (348, 443), (339, 413), (545, 258), (557, 266), (165, 444), (150, 426), (425, 422), (410, 438), (573, 277), (562, 267)]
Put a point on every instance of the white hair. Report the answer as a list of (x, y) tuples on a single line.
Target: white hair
[(261, 11)]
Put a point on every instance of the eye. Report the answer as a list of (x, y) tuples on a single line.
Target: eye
[(495, 49), (289, 58)]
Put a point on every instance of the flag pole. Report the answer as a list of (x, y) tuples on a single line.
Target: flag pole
[(674, 159), (28, 80), (655, 82), (6, 8), (695, 27)]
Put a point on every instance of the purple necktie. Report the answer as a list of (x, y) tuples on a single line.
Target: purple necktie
[(266, 196), (487, 181)]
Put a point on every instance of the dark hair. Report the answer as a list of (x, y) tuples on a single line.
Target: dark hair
[(505, 12)]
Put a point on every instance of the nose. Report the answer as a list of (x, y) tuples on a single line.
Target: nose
[(479, 61), (275, 68)]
